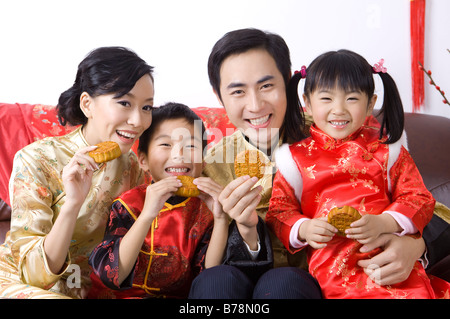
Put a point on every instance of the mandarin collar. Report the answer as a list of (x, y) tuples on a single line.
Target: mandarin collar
[(328, 142)]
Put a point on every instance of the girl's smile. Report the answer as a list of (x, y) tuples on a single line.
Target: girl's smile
[(339, 124)]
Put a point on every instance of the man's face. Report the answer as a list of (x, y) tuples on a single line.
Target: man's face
[(253, 93)]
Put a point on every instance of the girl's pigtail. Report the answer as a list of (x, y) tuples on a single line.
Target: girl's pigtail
[(392, 110), (294, 120)]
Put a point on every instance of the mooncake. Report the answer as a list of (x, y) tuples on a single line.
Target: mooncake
[(342, 217), (250, 162), (106, 151), (188, 188)]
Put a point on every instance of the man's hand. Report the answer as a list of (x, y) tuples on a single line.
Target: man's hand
[(395, 262)]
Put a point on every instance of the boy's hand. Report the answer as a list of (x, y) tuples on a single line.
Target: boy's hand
[(157, 194), (317, 232), (210, 192)]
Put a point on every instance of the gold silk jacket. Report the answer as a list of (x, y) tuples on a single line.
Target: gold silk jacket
[(37, 194), (220, 167)]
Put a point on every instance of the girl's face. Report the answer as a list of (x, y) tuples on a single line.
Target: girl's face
[(339, 113), (175, 148), (122, 119), (254, 95)]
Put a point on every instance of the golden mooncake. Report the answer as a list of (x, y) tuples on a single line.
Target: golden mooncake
[(342, 217), (106, 151), (250, 162), (188, 188)]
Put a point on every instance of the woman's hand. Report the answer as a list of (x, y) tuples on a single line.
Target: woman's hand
[(77, 176), (77, 181)]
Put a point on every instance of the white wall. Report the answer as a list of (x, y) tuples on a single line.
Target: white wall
[(43, 41)]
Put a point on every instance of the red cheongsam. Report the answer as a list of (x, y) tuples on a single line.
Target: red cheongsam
[(170, 257), (319, 173)]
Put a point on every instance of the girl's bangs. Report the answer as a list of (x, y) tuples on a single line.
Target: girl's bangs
[(342, 78)]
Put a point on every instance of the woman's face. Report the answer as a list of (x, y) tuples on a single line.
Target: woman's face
[(122, 119), (253, 93)]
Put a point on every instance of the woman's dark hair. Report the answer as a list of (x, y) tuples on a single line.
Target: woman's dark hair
[(105, 70), (349, 71), (243, 40), (171, 111)]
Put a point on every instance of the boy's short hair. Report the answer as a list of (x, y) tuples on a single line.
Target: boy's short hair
[(171, 111), (243, 40)]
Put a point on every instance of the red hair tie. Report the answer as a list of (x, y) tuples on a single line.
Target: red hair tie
[(302, 72), (378, 67)]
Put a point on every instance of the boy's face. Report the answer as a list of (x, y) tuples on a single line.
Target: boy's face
[(174, 149), (254, 95)]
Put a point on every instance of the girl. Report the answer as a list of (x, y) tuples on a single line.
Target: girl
[(60, 197), (155, 241), (348, 160)]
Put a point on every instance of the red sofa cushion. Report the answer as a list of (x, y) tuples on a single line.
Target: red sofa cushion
[(22, 124)]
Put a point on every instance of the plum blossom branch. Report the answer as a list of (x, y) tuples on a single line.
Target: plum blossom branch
[(428, 73)]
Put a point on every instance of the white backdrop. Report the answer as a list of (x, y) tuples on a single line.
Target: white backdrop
[(43, 41)]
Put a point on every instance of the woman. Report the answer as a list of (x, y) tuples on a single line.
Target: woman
[(60, 197)]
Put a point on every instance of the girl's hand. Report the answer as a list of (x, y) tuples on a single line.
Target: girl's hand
[(317, 232), (370, 227), (77, 176), (210, 192), (157, 194)]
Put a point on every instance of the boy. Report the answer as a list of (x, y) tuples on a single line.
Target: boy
[(156, 242)]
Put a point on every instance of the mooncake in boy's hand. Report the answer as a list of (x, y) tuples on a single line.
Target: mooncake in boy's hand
[(188, 189)]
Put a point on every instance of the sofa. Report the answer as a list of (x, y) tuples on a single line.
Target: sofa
[(428, 142)]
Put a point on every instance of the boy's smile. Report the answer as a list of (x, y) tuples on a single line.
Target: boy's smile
[(174, 149)]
